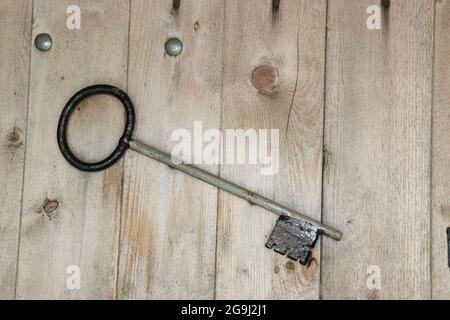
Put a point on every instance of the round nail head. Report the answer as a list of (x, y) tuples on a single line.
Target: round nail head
[(43, 42), (173, 47)]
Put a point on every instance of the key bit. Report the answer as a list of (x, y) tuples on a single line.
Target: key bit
[(293, 237)]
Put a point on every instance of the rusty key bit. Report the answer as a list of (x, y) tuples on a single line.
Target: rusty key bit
[(293, 237), (295, 234)]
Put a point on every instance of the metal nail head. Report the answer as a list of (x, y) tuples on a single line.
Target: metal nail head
[(173, 47), (43, 42)]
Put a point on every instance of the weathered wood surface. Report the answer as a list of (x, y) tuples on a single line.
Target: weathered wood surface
[(141, 230), (377, 142), (168, 238), (84, 229), (15, 26), (440, 214), (290, 40)]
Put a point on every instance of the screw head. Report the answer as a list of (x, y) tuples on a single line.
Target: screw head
[(173, 47), (43, 42)]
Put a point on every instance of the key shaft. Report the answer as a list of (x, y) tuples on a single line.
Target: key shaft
[(232, 188)]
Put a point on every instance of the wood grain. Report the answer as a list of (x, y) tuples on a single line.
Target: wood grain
[(169, 220), (83, 230), (378, 131), (441, 155), (290, 40), (15, 26), (143, 231)]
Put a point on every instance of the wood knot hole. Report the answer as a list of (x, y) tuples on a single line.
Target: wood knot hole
[(50, 206), (265, 79), (290, 265), (196, 25), (14, 138)]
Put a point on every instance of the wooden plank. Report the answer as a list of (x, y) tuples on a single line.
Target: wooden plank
[(168, 219), (83, 230), (15, 26), (377, 133), (291, 40), (441, 150)]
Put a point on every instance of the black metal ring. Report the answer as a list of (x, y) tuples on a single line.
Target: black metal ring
[(123, 142)]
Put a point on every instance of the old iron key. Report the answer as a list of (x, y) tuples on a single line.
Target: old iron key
[(294, 234)]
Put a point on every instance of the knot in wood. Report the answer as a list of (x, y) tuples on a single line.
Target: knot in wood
[(265, 79)]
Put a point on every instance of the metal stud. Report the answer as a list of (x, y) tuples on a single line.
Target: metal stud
[(43, 42), (173, 47)]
